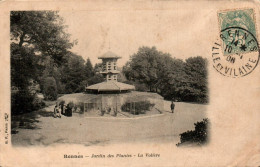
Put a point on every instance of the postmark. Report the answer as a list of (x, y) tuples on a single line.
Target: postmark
[(236, 53)]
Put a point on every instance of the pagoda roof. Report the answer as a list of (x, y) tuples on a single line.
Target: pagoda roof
[(109, 54), (110, 86)]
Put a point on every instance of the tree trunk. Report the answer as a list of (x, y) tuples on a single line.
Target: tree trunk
[(21, 40)]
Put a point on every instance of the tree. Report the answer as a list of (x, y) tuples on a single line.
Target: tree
[(97, 78), (73, 73), (173, 78), (97, 68), (197, 80), (153, 68), (23, 69), (41, 30), (143, 66), (35, 36), (22, 102), (121, 77), (23, 66), (89, 71)]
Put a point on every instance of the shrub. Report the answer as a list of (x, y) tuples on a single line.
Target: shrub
[(198, 136), (38, 103), (50, 89), (137, 107), (23, 102)]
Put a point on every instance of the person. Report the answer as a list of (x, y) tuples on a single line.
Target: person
[(172, 107), (68, 110), (62, 106), (115, 111), (55, 111), (59, 111)]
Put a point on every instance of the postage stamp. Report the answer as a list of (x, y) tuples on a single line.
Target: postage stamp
[(237, 52)]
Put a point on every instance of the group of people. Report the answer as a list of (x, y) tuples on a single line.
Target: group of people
[(62, 109)]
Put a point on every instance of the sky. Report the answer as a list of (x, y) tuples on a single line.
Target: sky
[(182, 33)]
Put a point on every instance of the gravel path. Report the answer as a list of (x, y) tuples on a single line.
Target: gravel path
[(40, 128)]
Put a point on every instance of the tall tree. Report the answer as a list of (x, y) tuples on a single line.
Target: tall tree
[(89, 70), (23, 66), (34, 35), (73, 73), (143, 66), (97, 77), (41, 30), (172, 78), (197, 79), (151, 67)]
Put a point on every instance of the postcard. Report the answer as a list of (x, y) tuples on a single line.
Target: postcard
[(129, 83)]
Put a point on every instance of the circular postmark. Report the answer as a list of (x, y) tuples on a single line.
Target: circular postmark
[(237, 53)]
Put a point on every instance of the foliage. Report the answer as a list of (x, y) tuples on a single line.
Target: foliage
[(97, 68), (120, 76), (196, 82), (23, 66), (172, 78), (38, 46), (198, 136), (72, 73), (38, 103), (75, 74), (137, 108), (89, 70), (138, 86), (24, 102), (143, 66), (50, 89), (42, 30), (97, 78)]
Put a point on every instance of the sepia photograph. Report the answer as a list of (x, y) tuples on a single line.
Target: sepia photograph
[(129, 83), (79, 78)]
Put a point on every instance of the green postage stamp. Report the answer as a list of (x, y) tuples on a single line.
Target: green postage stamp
[(237, 53), (238, 31)]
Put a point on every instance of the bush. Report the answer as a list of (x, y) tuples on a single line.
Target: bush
[(137, 107), (38, 103), (138, 86), (23, 102), (198, 136), (50, 89)]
